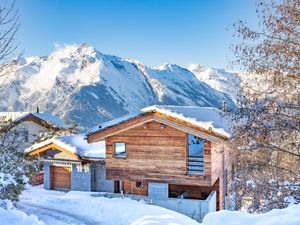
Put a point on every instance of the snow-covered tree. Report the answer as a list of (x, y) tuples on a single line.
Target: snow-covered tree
[(15, 168), (54, 131), (267, 121)]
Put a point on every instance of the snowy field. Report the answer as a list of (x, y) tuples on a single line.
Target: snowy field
[(38, 207)]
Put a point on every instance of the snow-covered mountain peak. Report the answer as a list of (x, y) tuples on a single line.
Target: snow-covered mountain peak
[(226, 81), (79, 82), (74, 50)]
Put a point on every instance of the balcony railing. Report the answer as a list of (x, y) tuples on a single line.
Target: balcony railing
[(195, 165)]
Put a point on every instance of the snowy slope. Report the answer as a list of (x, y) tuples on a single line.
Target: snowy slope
[(225, 81), (78, 82)]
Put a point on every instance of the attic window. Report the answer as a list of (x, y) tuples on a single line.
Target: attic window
[(120, 150)]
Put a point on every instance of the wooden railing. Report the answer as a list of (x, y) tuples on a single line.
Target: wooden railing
[(195, 165)]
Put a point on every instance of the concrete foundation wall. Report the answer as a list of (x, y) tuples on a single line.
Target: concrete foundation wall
[(158, 190), (47, 176), (196, 209), (81, 178)]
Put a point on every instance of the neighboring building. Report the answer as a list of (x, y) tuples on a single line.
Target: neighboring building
[(32, 124), (167, 152), (70, 163)]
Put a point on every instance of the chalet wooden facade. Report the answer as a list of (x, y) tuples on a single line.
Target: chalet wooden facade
[(167, 145)]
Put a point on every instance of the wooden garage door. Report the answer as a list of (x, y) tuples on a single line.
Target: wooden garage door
[(61, 178)]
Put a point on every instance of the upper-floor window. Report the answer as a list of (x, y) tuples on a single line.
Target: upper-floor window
[(120, 149), (195, 163), (196, 146)]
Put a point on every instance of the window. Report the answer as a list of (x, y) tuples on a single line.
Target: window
[(139, 184), (196, 146), (120, 150), (195, 162)]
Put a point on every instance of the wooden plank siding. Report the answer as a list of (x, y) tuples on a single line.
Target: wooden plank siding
[(129, 187), (154, 153)]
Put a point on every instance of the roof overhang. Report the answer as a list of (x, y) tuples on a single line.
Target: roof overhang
[(145, 117), (31, 117), (39, 150)]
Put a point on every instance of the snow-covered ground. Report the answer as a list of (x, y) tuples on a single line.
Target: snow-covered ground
[(288, 216), (38, 207), (13, 216), (54, 207)]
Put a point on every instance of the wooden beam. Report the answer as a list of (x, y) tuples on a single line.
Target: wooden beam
[(38, 151)]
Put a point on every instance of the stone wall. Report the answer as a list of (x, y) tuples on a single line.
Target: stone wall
[(81, 178), (99, 182)]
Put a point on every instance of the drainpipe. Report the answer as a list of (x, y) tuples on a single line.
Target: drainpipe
[(224, 176)]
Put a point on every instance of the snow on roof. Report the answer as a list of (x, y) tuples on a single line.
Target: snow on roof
[(47, 117), (76, 144), (113, 122), (203, 117)]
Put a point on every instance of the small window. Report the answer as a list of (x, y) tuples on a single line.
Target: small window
[(139, 184), (120, 150)]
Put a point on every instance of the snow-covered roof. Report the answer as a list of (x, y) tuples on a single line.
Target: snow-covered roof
[(207, 118), (76, 144), (45, 116)]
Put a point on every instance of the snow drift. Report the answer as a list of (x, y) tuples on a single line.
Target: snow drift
[(288, 216)]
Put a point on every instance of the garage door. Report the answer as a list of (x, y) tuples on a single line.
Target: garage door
[(61, 178)]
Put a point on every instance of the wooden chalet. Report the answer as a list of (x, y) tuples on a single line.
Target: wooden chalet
[(184, 148)]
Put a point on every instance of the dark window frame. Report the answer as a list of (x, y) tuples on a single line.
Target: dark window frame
[(139, 184), (115, 153)]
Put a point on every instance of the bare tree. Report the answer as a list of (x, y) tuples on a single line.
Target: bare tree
[(15, 168), (267, 121), (9, 26)]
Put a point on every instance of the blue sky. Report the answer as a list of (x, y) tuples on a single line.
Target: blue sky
[(151, 31)]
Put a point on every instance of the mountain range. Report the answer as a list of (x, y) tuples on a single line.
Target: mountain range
[(79, 83)]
